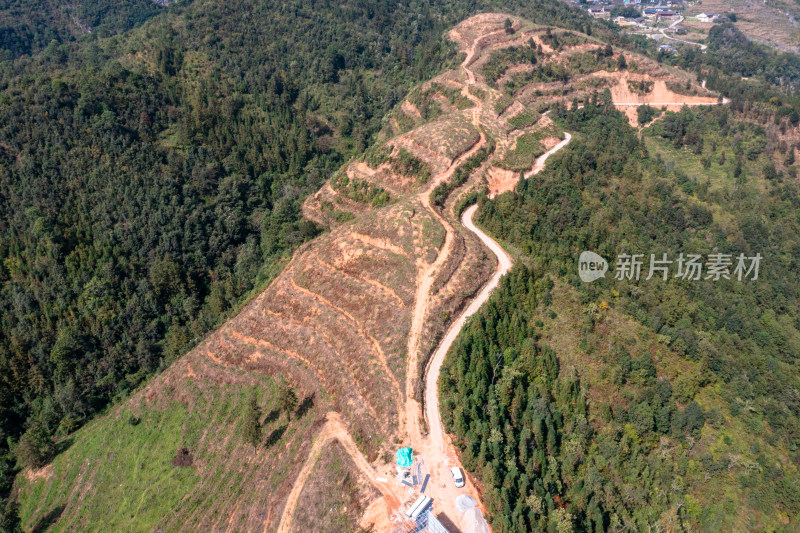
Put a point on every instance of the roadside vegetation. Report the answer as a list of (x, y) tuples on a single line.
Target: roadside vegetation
[(500, 60), (528, 147), (442, 191), (360, 190), (155, 181), (150, 193), (408, 165), (690, 420)]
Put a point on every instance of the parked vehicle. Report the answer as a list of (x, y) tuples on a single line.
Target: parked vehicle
[(458, 476)]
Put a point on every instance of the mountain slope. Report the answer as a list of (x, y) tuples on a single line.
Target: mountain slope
[(30, 26), (156, 180), (353, 317), (640, 404)]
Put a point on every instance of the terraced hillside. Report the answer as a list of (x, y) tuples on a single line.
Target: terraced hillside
[(353, 319)]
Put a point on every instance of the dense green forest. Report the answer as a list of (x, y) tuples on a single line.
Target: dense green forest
[(28, 26), (147, 197), (152, 173), (525, 428)]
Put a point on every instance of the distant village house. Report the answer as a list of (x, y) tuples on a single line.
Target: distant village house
[(707, 17)]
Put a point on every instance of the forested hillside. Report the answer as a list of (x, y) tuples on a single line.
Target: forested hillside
[(690, 426), (150, 191), (28, 26), (152, 173)]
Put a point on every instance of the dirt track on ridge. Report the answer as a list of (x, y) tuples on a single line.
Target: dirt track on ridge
[(439, 454)]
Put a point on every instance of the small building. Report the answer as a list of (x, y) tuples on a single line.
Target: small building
[(667, 48), (622, 21), (707, 17), (600, 12)]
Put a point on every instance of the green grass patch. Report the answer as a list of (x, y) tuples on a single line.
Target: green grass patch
[(360, 191), (502, 104), (338, 215), (131, 463), (526, 118), (529, 147), (500, 60), (406, 164), (377, 155), (117, 474)]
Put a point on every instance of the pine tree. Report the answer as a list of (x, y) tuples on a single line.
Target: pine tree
[(35, 447), (252, 421), (287, 398)]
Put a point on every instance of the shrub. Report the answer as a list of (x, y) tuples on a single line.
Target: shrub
[(35, 447)]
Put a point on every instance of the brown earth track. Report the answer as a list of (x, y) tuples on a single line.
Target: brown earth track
[(353, 313), (367, 307), (366, 389), (382, 176), (424, 286), (353, 274), (410, 109), (428, 274), (333, 429), (379, 243), (281, 351)]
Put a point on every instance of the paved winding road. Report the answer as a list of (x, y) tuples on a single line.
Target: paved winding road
[(439, 450)]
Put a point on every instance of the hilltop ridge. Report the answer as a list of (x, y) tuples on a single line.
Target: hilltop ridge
[(353, 318)]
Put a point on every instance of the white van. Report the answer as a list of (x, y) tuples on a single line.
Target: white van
[(458, 476)]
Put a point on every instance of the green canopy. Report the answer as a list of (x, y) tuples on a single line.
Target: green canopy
[(405, 456)]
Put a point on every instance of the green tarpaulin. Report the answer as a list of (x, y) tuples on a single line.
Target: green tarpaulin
[(405, 456)]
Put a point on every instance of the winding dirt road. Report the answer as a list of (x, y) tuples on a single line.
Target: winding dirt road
[(439, 452), (538, 165), (504, 264), (440, 456), (675, 23), (422, 299), (434, 446)]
